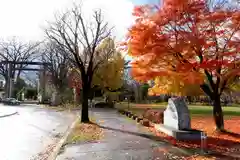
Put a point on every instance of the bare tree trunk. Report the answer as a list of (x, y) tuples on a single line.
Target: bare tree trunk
[(189, 98), (218, 114), (84, 114)]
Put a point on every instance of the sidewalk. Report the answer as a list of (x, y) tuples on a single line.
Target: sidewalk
[(123, 139)]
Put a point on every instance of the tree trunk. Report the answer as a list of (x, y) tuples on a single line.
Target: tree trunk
[(217, 108), (189, 98), (84, 115), (218, 114)]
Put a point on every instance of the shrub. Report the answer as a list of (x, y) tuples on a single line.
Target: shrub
[(148, 114), (145, 122), (158, 117), (153, 116)]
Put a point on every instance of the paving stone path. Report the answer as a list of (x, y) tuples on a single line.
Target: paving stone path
[(123, 140)]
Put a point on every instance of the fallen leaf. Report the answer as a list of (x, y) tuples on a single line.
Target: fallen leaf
[(219, 142)]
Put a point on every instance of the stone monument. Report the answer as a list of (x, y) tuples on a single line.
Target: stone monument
[(177, 122), (177, 114)]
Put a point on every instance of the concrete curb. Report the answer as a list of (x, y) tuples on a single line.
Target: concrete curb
[(8, 115), (56, 150)]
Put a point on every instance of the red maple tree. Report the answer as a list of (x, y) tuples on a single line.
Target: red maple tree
[(75, 81), (191, 40)]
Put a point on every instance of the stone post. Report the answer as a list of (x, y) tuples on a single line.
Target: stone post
[(9, 81), (42, 85)]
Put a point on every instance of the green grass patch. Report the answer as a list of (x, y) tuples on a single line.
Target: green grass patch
[(194, 109)]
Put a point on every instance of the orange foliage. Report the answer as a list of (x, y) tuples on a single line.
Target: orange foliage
[(184, 38)]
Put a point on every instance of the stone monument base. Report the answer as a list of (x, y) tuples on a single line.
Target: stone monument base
[(179, 134)]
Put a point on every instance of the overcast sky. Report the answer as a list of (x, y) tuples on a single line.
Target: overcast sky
[(25, 18)]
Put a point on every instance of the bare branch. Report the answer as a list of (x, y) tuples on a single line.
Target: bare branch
[(14, 50), (74, 34), (59, 61)]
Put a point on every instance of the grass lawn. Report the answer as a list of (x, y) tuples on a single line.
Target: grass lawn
[(194, 109)]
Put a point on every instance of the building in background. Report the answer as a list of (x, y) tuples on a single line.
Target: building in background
[(2, 86)]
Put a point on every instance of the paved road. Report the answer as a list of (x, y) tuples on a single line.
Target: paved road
[(30, 132), (123, 140)]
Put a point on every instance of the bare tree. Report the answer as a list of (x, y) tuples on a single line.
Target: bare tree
[(59, 65), (80, 39), (16, 51)]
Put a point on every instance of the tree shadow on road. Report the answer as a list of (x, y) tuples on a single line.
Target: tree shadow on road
[(144, 135), (232, 134), (150, 136)]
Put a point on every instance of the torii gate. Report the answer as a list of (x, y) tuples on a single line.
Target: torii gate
[(9, 81)]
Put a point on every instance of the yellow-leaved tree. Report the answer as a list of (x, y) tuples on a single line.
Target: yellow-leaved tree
[(109, 75), (235, 84), (175, 86)]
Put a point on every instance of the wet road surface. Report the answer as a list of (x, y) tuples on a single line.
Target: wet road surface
[(30, 132), (123, 140)]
